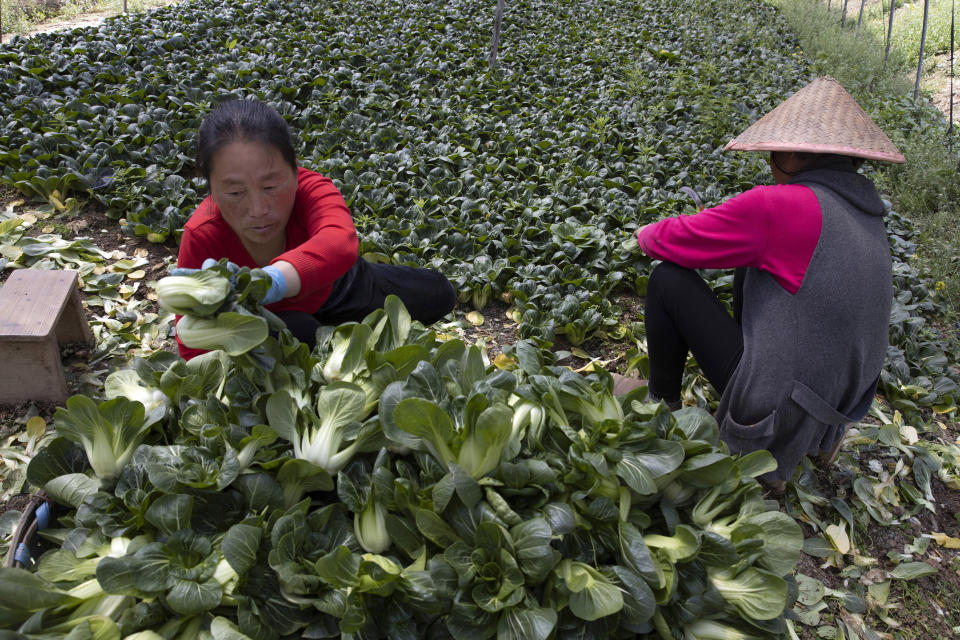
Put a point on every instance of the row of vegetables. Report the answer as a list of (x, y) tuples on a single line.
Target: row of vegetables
[(518, 183), (390, 484)]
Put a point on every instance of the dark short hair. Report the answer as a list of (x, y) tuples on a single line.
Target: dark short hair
[(242, 121)]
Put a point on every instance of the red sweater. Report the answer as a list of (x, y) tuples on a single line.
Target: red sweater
[(774, 228), (320, 230)]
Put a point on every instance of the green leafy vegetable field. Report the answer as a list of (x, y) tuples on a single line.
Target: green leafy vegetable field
[(390, 484), (518, 183)]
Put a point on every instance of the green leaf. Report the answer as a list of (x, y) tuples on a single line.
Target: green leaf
[(223, 629), (240, 545), (23, 591), (782, 541), (434, 528), (639, 602), (756, 463), (912, 570), (60, 457), (680, 547), (531, 543), (708, 469), (484, 442), (428, 422), (233, 332), (636, 555), (592, 596), (109, 432), (641, 470), (198, 294), (190, 598), (756, 593), (71, 489), (697, 424), (170, 513), (339, 568), (526, 624)]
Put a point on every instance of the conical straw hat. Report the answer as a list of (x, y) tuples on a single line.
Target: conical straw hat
[(820, 118)]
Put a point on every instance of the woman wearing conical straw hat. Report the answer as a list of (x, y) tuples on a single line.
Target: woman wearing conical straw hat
[(800, 358)]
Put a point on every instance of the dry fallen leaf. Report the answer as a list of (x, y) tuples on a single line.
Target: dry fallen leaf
[(76, 226), (944, 540), (141, 253), (36, 427), (502, 361), (909, 434), (838, 536), (475, 318), (137, 275)]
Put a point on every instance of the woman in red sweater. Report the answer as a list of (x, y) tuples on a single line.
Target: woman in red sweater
[(265, 211), (800, 357)]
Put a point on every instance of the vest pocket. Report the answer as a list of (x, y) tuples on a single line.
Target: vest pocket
[(749, 437)]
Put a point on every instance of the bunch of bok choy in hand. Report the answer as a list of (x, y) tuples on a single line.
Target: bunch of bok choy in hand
[(220, 306)]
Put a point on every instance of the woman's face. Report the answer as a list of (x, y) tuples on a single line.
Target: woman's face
[(786, 164), (255, 190)]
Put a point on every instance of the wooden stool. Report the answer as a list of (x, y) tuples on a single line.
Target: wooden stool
[(39, 311)]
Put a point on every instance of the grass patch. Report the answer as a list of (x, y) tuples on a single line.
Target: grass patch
[(908, 22), (25, 16), (926, 189)]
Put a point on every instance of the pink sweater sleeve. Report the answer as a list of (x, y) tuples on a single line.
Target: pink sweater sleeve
[(774, 228), (322, 236)]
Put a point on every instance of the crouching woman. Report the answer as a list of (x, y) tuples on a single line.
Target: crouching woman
[(801, 355), (265, 211)]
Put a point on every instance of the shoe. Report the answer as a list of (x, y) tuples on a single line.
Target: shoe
[(675, 405)]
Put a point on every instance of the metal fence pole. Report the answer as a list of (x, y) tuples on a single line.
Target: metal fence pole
[(124, 6), (859, 18), (886, 52), (496, 34), (923, 44), (843, 14), (953, 7)]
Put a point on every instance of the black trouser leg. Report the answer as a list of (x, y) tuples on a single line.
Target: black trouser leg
[(426, 293), (683, 314), (302, 325)]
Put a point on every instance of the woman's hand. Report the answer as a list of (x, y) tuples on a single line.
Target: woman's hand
[(209, 262), (284, 281)]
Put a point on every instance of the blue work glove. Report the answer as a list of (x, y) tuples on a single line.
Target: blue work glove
[(278, 285), (209, 262)]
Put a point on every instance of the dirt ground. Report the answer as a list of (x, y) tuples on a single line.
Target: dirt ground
[(924, 609), (88, 18)]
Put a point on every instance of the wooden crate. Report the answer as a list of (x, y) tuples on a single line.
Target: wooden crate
[(39, 311)]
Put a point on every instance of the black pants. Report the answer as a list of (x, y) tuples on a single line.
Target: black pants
[(427, 294), (683, 315)]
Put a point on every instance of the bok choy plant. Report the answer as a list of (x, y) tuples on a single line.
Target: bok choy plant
[(467, 501), (109, 431), (220, 308)]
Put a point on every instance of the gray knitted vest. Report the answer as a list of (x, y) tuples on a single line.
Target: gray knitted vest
[(811, 361)]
